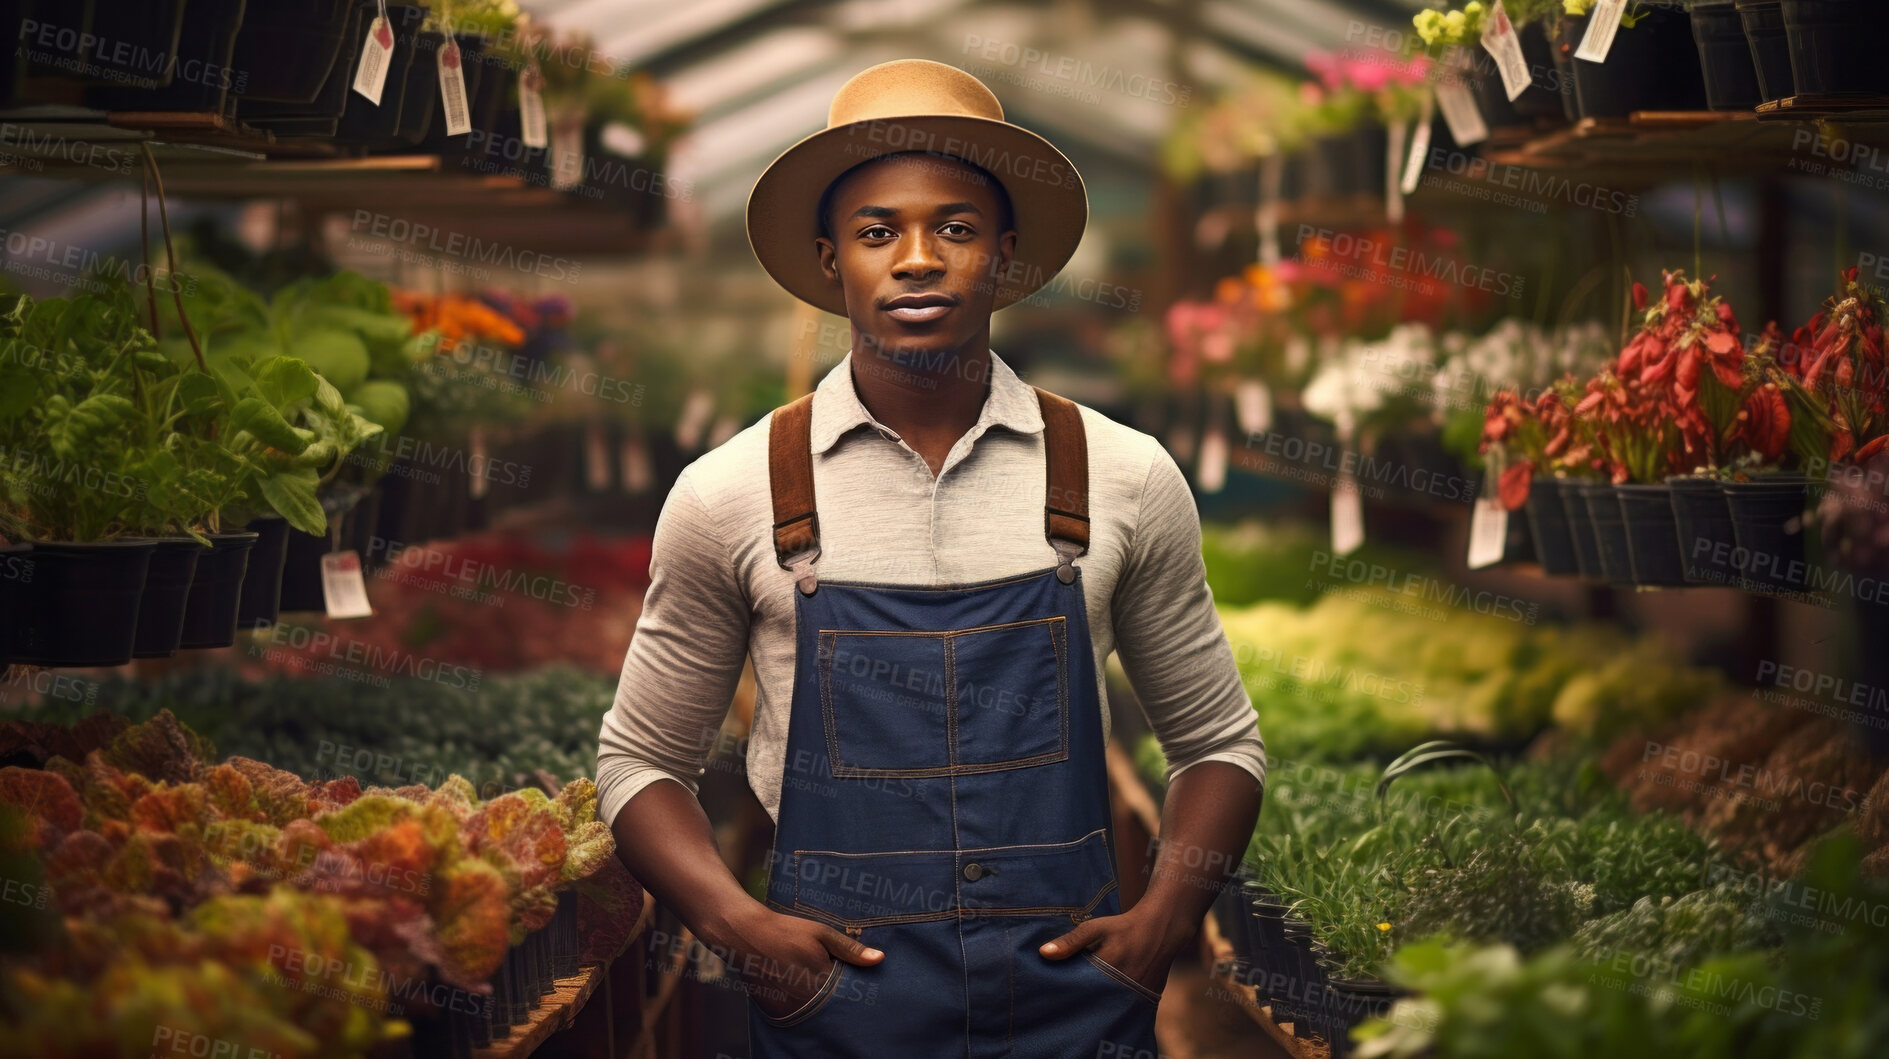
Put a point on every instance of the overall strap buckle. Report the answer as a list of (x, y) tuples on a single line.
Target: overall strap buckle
[(1066, 552)]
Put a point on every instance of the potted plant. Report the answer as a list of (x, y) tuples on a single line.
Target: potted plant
[(75, 489), (1681, 378), (1652, 65), (1519, 439), (1835, 46), (1763, 22), (287, 48), (1731, 78)]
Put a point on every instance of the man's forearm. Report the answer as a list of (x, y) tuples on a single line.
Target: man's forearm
[(666, 841), (1206, 824)]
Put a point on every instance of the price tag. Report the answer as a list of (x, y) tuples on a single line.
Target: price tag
[(1252, 404), (1271, 174), (1393, 184), (567, 154), (638, 474), (531, 107), (1602, 23), (1419, 145), (343, 590), (477, 464), (1500, 41), (1488, 533), (596, 459), (1460, 113), (452, 90), (693, 420), (1212, 470), (371, 76), (1347, 516)]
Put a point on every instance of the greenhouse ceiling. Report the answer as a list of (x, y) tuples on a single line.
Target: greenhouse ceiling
[(758, 74)]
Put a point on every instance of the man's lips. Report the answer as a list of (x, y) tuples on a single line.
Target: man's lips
[(919, 308)]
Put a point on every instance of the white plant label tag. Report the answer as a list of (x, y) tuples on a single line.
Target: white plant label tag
[(1488, 533), (596, 458), (1393, 186), (567, 154), (477, 464), (1419, 146), (1460, 113), (531, 108), (343, 589), (1252, 404), (1602, 23), (638, 472), (1211, 472), (371, 76), (1347, 515), (452, 90), (1500, 41)]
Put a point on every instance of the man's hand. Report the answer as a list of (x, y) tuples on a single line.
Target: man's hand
[(1139, 943), (785, 959)]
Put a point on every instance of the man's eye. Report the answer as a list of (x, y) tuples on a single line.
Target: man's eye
[(877, 231), (962, 228)]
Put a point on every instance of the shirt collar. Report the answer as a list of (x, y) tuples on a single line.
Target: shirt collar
[(837, 409)]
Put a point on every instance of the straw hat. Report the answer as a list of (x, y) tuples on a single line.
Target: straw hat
[(917, 105)]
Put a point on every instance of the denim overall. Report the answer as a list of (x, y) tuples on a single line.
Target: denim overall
[(945, 798)]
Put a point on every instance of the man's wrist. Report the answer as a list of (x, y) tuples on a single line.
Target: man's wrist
[(730, 926), (1166, 920)]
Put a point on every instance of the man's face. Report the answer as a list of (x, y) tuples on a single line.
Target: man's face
[(916, 251)]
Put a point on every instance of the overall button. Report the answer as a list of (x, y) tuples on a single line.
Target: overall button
[(974, 871)]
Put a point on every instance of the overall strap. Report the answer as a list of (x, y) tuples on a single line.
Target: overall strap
[(1066, 503), (790, 478)]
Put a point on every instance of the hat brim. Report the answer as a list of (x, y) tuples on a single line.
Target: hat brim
[(1048, 199)]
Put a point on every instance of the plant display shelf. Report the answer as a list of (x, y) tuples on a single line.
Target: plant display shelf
[(559, 1011), (1219, 952), (1859, 108)]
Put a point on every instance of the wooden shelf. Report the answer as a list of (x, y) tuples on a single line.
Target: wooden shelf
[(555, 1012), (1826, 108)]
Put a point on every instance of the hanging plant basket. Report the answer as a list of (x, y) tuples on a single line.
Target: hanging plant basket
[(1652, 534), (1703, 527), (1837, 46), (1548, 523), (1580, 528), (1768, 521), (210, 618), (205, 43), (365, 120), (1610, 531), (81, 607), (1653, 66), (262, 582), (322, 114), (167, 583), (1731, 79), (289, 47), (1770, 47)]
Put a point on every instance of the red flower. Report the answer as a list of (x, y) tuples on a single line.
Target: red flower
[(1512, 486)]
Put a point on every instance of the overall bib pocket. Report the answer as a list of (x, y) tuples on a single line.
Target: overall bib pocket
[(954, 702)]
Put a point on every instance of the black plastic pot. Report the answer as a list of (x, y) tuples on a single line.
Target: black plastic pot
[(1610, 531), (167, 582), (1485, 82), (472, 66), (210, 617), (1837, 46), (331, 101), (55, 22), (1288, 985), (1731, 81), (1653, 66), (1652, 534), (1548, 523), (81, 606), (1580, 528), (366, 120), (420, 100), (301, 573), (1348, 1002), (524, 995), (262, 582), (1767, 520), (498, 1006), (137, 42), (16, 570), (12, 60), (1542, 98), (203, 74), (358, 534), (1702, 530), (1770, 47), (569, 945), (1562, 42), (288, 47)]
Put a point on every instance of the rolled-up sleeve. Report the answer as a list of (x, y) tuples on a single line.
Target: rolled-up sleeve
[(684, 662), (1169, 638)]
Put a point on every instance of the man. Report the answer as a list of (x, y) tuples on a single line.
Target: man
[(929, 561)]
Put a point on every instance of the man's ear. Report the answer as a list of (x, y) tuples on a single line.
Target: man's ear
[(1006, 253), (829, 259)]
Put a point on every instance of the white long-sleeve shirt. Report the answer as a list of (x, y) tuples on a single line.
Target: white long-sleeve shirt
[(717, 594)]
